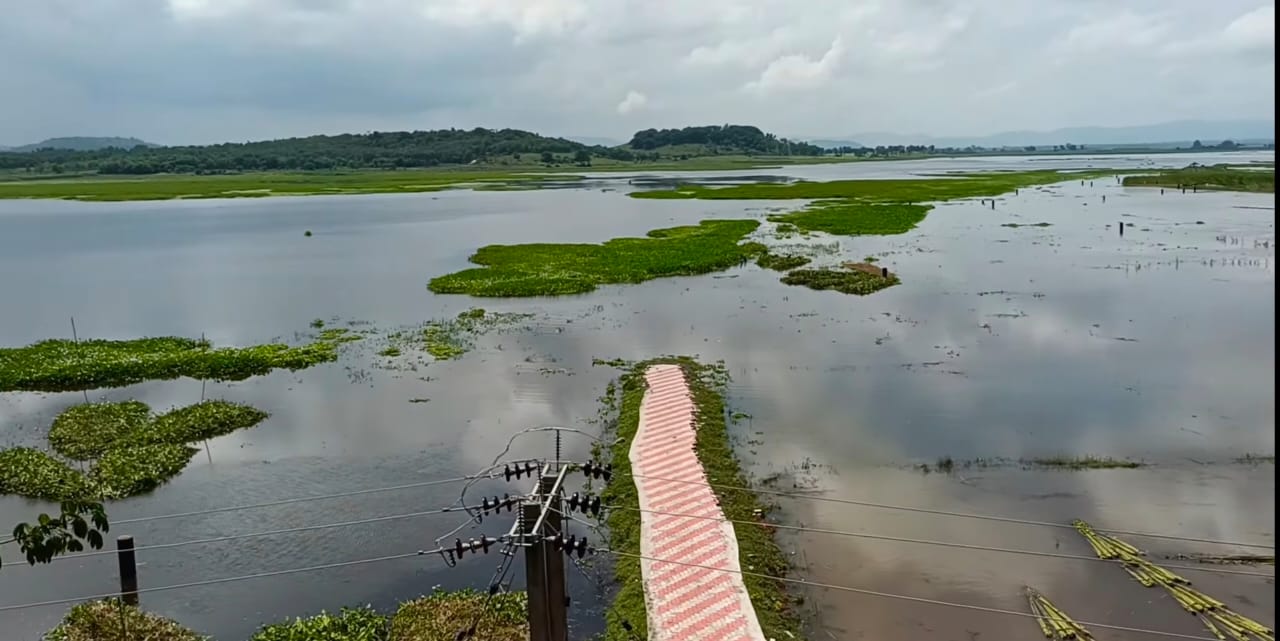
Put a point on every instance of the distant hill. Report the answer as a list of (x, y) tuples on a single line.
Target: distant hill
[(83, 143), (1167, 132)]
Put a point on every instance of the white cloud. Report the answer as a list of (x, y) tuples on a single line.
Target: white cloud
[(634, 101), (267, 68), (796, 71)]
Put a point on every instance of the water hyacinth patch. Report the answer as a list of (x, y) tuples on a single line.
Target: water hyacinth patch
[(845, 281), (84, 432), (59, 365), (352, 624), (440, 615), (101, 621), (29, 472), (204, 420), (137, 469), (550, 269)]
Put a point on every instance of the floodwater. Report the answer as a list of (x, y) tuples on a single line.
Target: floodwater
[(1001, 342)]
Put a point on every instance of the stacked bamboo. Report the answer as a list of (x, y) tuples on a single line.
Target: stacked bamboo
[(1217, 617), (1054, 623)]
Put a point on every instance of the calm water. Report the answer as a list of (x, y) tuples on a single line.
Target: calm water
[(1013, 342)]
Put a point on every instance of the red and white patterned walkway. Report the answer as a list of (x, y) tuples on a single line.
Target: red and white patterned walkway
[(684, 603)]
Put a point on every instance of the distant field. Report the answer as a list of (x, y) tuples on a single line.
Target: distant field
[(1259, 179)]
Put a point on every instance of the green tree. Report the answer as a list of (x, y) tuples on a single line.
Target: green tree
[(582, 157), (1197, 145), (548, 158), (52, 536)]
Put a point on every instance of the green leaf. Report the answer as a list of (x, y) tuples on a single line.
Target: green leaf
[(79, 527), (95, 539)]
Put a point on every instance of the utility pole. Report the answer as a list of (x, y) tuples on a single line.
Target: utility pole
[(544, 565)]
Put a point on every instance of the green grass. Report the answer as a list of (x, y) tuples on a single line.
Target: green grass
[(852, 218), (1084, 462), (351, 624), (265, 184), (1216, 177), (29, 472), (84, 432), (549, 269), (439, 617), (845, 281), (758, 552), (101, 621), (781, 262), (59, 365)]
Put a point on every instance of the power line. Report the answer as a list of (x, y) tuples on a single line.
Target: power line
[(890, 595), (230, 579), (303, 499), (250, 535), (967, 546), (985, 517)]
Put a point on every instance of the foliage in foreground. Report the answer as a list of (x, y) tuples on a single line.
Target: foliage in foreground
[(68, 531), (439, 617), (1218, 177), (846, 281), (759, 554), (548, 269), (352, 624), (100, 621), (132, 452), (59, 365)]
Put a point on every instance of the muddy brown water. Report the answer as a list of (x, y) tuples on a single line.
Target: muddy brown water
[(1001, 342)]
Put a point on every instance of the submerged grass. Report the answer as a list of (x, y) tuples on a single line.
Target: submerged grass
[(84, 432), (1216, 177), (549, 269), (449, 339), (781, 262), (266, 184), (1084, 462), (846, 281), (109, 620), (758, 552), (59, 365)]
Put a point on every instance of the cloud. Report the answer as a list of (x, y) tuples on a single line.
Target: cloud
[(798, 71), (189, 71), (634, 101)]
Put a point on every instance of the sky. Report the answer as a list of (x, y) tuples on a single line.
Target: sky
[(201, 71)]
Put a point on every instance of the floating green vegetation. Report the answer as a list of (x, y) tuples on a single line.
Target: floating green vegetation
[(1084, 462), (1257, 459), (450, 338), (199, 422), (1216, 177), (548, 269), (137, 469), (132, 452), (59, 365), (781, 262), (859, 279), (109, 620), (84, 432), (439, 616), (759, 553), (852, 218), (29, 472), (1017, 225), (351, 624), (317, 323)]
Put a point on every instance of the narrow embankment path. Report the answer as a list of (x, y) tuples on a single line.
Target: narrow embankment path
[(684, 603)]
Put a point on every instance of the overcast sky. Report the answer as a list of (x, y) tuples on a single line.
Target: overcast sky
[(194, 71)]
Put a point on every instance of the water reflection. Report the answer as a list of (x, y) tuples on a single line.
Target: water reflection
[(1028, 341)]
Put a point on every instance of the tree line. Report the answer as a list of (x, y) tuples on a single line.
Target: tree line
[(376, 150), (732, 138)]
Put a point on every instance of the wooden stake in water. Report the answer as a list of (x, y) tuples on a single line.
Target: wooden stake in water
[(76, 337)]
